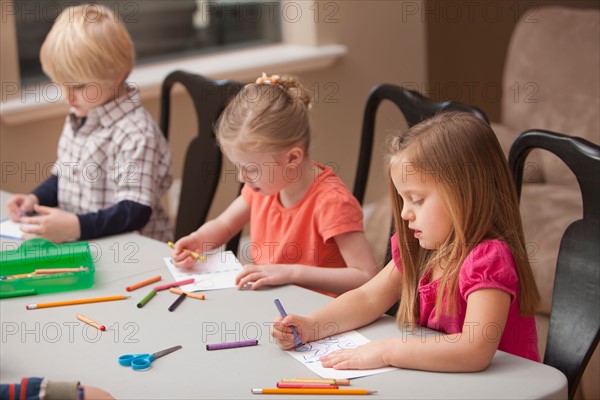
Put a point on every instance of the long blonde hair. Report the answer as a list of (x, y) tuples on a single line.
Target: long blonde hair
[(268, 116), (87, 43), (472, 176)]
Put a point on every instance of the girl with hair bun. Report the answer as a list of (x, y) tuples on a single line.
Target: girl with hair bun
[(306, 227)]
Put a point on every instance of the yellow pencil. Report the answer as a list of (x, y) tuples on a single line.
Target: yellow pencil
[(193, 253), (47, 271), (311, 391), (90, 322), (73, 302)]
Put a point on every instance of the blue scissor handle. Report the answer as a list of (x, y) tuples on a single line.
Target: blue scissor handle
[(136, 361), (142, 363)]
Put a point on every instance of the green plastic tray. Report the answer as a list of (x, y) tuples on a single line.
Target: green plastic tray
[(42, 254)]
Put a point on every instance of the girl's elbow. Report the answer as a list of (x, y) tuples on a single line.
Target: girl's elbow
[(478, 360)]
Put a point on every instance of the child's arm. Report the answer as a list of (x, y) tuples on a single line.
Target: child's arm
[(351, 310), (355, 250), (471, 350), (213, 233)]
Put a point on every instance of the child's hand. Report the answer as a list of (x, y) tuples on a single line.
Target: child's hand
[(367, 356), (282, 331), (53, 224), (91, 392), (19, 204), (181, 251), (261, 275)]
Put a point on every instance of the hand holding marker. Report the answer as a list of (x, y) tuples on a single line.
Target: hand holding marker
[(283, 315)]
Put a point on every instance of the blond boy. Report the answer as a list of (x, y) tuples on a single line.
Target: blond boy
[(113, 164)]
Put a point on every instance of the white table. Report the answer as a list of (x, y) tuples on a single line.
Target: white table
[(52, 343)]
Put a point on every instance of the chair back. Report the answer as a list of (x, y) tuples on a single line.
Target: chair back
[(574, 328), (203, 158), (414, 107)]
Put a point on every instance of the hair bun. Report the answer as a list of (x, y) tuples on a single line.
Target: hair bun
[(293, 88)]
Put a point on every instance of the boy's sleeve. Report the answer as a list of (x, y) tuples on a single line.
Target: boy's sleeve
[(47, 192), (29, 389), (125, 216)]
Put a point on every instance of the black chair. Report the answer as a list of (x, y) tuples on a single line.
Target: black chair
[(575, 317), (415, 108), (203, 158)]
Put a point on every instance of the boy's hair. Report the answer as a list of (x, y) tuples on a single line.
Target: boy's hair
[(472, 176), (268, 116), (87, 43)]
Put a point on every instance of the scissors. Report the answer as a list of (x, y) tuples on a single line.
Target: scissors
[(141, 362)]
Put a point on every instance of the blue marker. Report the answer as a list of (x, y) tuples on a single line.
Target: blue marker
[(283, 315)]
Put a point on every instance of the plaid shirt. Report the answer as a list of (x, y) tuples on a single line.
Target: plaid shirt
[(115, 153)]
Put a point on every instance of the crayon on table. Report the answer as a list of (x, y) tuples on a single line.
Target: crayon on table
[(339, 382), (177, 302), (143, 283), (90, 322), (299, 385), (312, 391), (146, 299), (193, 253), (231, 345), (193, 295), (74, 302), (283, 315), (172, 284)]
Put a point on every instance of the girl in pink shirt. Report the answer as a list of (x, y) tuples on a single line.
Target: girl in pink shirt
[(459, 263), (306, 227)]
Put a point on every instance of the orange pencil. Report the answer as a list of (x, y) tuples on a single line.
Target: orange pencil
[(90, 322), (73, 302), (189, 294), (143, 283)]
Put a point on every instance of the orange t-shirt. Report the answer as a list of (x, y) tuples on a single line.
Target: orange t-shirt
[(303, 233)]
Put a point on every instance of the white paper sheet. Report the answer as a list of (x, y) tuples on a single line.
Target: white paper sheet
[(309, 354), (217, 272), (10, 229)]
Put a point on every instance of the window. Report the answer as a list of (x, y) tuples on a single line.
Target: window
[(160, 29)]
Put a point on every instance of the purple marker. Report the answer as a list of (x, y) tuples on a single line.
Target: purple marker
[(231, 345)]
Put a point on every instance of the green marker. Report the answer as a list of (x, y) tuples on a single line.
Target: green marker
[(146, 299)]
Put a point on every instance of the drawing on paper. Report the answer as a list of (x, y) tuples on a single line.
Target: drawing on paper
[(311, 352)]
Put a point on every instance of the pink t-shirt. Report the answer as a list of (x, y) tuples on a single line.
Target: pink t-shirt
[(489, 265), (303, 233)]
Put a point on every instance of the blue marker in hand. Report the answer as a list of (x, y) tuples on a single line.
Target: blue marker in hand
[(283, 315)]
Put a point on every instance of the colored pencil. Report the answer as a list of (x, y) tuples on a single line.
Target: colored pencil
[(74, 302), (46, 271), (143, 283), (339, 382), (283, 315), (172, 284), (231, 345), (312, 391), (193, 253), (90, 322), (193, 295), (146, 299), (177, 302), (297, 385)]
